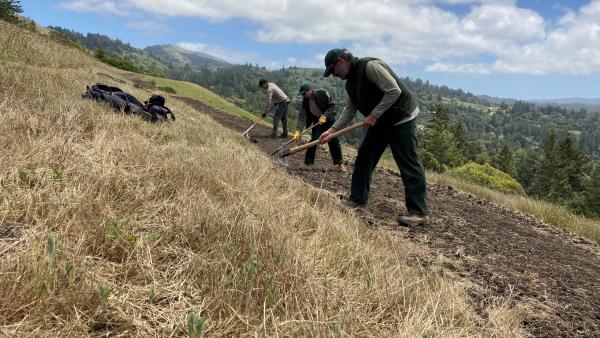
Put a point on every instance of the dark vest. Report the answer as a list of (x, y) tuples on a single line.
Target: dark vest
[(325, 104), (365, 95)]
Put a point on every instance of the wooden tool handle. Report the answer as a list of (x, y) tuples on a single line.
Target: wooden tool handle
[(252, 126), (315, 142), (292, 140)]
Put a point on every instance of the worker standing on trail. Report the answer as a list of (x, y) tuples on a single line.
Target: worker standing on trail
[(276, 99), (390, 109), (318, 108)]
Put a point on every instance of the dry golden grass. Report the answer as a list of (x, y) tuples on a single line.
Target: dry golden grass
[(113, 226)]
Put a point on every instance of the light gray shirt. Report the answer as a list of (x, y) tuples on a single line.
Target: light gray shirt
[(274, 96), (378, 74)]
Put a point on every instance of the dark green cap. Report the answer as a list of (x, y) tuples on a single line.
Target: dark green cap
[(304, 87), (330, 60)]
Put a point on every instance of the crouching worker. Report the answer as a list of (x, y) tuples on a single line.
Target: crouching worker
[(318, 108)]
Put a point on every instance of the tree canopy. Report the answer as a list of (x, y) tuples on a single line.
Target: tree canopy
[(10, 10)]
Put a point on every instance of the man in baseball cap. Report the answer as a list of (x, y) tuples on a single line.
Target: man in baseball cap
[(331, 60), (389, 108)]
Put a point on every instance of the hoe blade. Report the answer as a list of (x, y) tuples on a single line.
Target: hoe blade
[(284, 157)]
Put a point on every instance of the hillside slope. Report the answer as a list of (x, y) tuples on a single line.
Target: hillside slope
[(502, 256), (111, 226)]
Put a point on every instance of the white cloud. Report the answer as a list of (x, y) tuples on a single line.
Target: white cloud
[(471, 2), (99, 6), (149, 26), (494, 36), (467, 68), (571, 48), (503, 23)]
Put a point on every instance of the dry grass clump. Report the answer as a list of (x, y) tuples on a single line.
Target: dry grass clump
[(129, 228)]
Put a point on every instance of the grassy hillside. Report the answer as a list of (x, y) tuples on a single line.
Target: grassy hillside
[(113, 226), (197, 92)]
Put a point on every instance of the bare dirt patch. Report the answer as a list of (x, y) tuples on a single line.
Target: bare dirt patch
[(503, 254)]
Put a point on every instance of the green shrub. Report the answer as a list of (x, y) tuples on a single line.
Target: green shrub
[(122, 63), (168, 89), (116, 61), (487, 176)]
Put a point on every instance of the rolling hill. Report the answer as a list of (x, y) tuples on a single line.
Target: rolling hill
[(175, 55), (113, 226)]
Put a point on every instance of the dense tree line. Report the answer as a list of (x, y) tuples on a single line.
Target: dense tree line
[(561, 173)]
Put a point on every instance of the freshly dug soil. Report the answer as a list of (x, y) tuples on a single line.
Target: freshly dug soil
[(501, 253)]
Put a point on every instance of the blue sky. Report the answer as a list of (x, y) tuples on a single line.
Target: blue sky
[(529, 49)]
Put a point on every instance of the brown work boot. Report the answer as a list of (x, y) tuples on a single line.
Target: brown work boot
[(283, 136), (272, 135), (413, 220), (340, 168), (350, 203)]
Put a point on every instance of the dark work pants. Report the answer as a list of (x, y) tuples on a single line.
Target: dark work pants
[(402, 140), (335, 149), (281, 112)]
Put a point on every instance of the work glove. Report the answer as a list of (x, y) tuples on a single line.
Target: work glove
[(322, 119), (296, 135)]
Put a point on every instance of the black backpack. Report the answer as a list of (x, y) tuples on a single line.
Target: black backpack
[(156, 100), (152, 110), (118, 99), (155, 106)]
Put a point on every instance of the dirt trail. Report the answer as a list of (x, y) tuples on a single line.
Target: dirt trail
[(503, 254)]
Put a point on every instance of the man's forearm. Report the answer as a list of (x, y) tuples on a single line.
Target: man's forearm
[(345, 118), (386, 102)]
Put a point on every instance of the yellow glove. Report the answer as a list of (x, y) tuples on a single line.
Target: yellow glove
[(322, 119), (296, 135)]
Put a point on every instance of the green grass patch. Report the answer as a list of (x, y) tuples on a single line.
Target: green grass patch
[(196, 92)]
